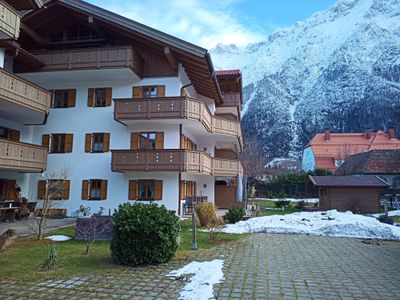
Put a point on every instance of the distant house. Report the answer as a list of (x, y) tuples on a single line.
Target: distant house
[(329, 150), (383, 163), (358, 194)]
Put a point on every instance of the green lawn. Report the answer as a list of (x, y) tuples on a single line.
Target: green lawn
[(22, 260), (268, 208)]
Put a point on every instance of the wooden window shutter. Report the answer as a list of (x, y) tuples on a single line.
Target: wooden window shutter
[(103, 192), (65, 189), (41, 189), (161, 91), (108, 96), (157, 189), (90, 101), (136, 92), (10, 189), (85, 189), (133, 190), (190, 144), (182, 190), (134, 140), (46, 141), (182, 141), (14, 135), (88, 142), (71, 98), (189, 188), (68, 142), (106, 142), (159, 140)]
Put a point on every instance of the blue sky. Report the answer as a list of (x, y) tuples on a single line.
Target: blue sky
[(207, 23)]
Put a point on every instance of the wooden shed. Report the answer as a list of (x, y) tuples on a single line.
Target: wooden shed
[(358, 194)]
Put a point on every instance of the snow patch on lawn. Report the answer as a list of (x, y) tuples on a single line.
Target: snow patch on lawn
[(306, 200), (391, 213), (205, 275), (329, 223), (58, 238)]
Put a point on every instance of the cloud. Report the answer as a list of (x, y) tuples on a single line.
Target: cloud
[(204, 23)]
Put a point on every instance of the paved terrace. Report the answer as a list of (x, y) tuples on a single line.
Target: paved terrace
[(263, 266)]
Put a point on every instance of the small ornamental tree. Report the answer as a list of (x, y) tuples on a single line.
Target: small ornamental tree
[(90, 229), (144, 234)]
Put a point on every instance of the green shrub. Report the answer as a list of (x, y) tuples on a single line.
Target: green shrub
[(206, 212), (235, 214), (282, 203), (300, 205), (144, 234)]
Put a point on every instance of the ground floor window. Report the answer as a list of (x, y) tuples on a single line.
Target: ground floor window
[(94, 189), (57, 189), (145, 189)]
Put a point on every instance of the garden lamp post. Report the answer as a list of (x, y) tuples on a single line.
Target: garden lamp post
[(194, 240)]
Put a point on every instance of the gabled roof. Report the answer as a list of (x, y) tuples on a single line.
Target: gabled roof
[(348, 181), (341, 145), (372, 162), (196, 60), (228, 73)]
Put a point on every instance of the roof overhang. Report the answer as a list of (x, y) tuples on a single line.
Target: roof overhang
[(195, 60)]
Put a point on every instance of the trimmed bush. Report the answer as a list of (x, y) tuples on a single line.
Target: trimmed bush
[(206, 212), (235, 214), (300, 205), (282, 203), (144, 234)]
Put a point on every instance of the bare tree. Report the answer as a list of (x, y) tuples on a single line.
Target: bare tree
[(53, 187), (90, 229), (253, 158)]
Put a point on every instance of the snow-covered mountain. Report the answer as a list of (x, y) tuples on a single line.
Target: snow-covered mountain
[(340, 69)]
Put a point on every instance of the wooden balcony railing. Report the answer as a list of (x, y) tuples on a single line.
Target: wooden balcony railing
[(22, 157), (91, 58), (174, 108), (173, 160), (10, 21), (17, 90)]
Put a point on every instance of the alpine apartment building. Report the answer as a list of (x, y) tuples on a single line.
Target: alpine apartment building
[(132, 113)]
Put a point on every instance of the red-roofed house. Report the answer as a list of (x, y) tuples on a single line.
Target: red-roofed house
[(329, 150)]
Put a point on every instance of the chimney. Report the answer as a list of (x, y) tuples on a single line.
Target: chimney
[(368, 133), (392, 132), (327, 134)]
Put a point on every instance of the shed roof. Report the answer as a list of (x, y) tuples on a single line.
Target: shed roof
[(348, 181)]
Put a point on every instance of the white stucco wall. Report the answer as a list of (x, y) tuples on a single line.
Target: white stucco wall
[(308, 160), (82, 119)]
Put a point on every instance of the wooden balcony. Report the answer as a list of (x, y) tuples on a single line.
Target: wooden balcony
[(91, 59), (23, 93), (10, 21), (127, 110), (172, 160), (22, 157)]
